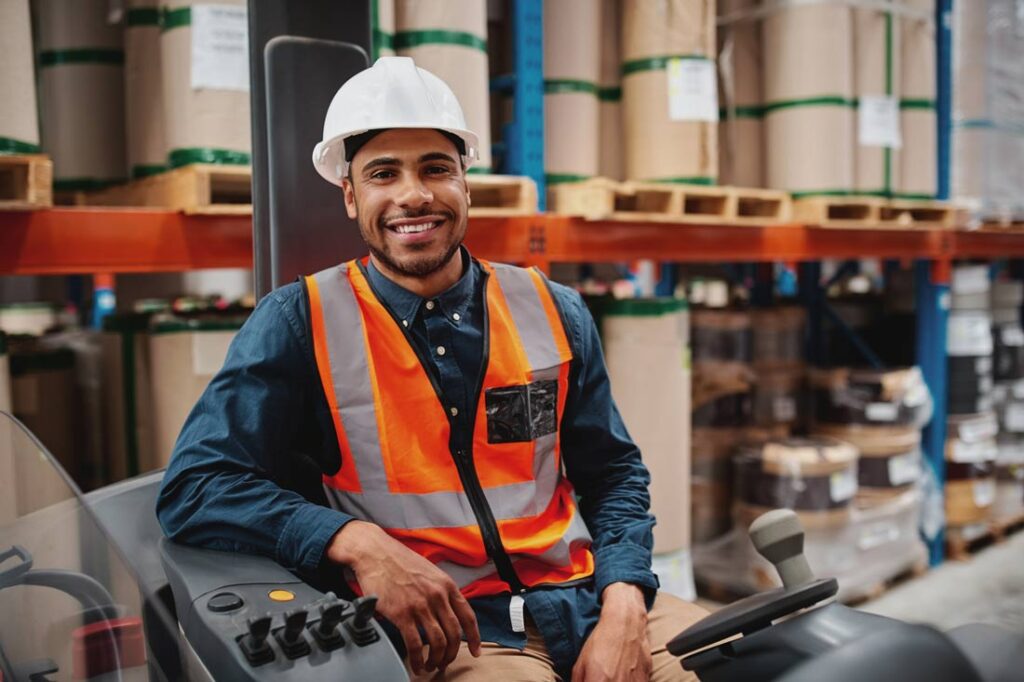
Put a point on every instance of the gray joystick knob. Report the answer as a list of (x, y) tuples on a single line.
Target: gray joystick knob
[(779, 538)]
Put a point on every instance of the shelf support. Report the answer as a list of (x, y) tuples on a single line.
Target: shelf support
[(524, 137)]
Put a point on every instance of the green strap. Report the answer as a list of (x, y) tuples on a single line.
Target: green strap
[(822, 101), (8, 145), (409, 39), (609, 93), (480, 170), (917, 104), (561, 178), (747, 111), (142, 16), (657, 63), (911, 196), (826, 193), (887, 151), (685, 180), (84, 184), (561, 86), (81, 55), (189, 155), (176, 18), (144, 170)]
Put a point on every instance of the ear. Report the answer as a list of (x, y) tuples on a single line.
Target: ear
[(465, 183), (350, 198)]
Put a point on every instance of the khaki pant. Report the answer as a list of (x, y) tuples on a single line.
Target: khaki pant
[(669, 616)]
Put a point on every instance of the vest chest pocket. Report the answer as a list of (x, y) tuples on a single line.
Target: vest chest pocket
[(519, 414)]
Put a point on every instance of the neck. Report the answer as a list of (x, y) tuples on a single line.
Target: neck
[(429, 286)]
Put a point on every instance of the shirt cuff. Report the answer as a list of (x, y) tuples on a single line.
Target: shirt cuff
[(625, 562), (306, 535)]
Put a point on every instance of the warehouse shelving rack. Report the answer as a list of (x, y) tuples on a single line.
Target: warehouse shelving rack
[(111, 240)]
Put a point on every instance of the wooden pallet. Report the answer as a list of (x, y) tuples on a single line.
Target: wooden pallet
[(199, 188), (26, 181), (872, 592), (963, 542), (501, 195), (603, 199), (876, 213)]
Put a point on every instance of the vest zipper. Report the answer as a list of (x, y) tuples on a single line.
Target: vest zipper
[(464, 458)]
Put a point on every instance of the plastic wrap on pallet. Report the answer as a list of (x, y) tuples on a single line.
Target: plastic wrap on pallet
[(778, 337), (741, 131), (19, 119), (988, 107), (870, 547), (971, 453), (669, 91), (870, 397), (645, 345), (204, 52), (143, 89), (572, 69), (611, 152), (1009, 497), (777, 397), (449, 39), (81, 92)]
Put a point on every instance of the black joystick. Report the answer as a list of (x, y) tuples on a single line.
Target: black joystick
[(293, 644), (326, 632), (360, 626), (254, 644)]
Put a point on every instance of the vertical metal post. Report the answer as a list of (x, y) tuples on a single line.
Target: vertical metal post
[(944, 91), (525, 136), (763, 291), (666, 285), (932, 291), (809, 282)]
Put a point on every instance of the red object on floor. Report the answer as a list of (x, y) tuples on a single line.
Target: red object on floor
[(107, 645)]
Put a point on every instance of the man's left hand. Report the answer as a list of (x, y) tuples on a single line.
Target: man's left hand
[(618, 649)]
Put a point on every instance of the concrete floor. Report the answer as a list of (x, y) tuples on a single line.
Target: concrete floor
[(989, 588)]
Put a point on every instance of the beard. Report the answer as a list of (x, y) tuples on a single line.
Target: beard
[(415, 265)]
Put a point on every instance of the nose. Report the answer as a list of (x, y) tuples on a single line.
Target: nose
[(412, 192)]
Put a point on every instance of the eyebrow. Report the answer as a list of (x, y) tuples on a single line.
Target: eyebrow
[(381, 161), (436, 156)]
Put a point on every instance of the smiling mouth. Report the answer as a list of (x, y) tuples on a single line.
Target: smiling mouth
[(415, 228)]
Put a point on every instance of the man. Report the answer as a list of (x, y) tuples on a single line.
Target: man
[(454, 410)]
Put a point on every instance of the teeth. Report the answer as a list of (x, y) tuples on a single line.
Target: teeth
[(413, 229)]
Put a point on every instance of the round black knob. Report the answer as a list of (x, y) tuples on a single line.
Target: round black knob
[(224, 601)]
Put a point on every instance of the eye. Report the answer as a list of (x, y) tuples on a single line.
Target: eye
[(438, 170), (382, 175)]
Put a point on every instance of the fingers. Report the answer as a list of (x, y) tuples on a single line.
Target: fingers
[(453, 634), (435, 639), (413, 643), (467, 619), (578, 674)]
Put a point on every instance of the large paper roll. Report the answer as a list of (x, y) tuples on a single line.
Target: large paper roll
[(670, 133), (19, 119), (610, 146), (741, 135), (81, 93), (204, 53), (807, 56), (382, 19), (645, 344), (143, 91), (877, 74), (918, 163), (449, 39)]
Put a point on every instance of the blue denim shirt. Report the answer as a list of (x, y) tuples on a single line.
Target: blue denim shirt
[(246, 471)]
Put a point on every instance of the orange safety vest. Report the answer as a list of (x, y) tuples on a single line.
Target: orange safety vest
[(498, 518)]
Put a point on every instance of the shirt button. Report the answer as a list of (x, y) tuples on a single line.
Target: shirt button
[(441, 350), (456, 317), (430, 305), (454, 411), (405, 323)]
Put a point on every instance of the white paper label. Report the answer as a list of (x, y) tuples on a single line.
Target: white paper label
[(1013, 418), (978, 429), (209, 350), (876, 535), (983, 451), (881, 412), (515, 613), (879, 121), (1018, 389), (904, 468), (220, 48), (842, 485), (1012, 336), (692, 90), (784, 408), (984, 492)]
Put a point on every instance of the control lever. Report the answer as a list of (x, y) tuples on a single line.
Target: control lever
[(254, 644), (778, 537), (360, 626), (326, 632), (293, 644)]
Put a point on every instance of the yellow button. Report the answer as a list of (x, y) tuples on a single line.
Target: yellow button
[(281, 595)]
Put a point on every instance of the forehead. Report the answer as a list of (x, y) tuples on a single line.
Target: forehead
[(404, 145)]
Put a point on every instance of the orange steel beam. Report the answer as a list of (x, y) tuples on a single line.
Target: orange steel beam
[(97, 240)]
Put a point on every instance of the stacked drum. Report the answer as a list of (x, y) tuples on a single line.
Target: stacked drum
[(1008, 371), (972, 427)]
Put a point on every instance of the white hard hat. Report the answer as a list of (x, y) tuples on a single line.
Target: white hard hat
[(393, 93)]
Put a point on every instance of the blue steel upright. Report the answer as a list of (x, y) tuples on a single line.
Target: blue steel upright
[(524, 137)]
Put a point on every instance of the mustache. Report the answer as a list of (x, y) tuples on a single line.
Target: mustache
[(383, 221)]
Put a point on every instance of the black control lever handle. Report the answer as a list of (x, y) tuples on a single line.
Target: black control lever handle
[(294, 622), (259, 629), (365, 608), (331, 614)]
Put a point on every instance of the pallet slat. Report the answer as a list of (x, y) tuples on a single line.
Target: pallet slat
[(26, 181), (501, 195), (867, 213), (603, 199)]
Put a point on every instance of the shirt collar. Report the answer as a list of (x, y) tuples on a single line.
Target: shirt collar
[(453, 301)]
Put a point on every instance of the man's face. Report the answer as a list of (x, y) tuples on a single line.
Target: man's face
[(408, 191)]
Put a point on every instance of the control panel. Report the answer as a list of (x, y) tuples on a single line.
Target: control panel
[(247, 618)]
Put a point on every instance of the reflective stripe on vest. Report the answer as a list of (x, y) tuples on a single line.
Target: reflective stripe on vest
[(393, 432)]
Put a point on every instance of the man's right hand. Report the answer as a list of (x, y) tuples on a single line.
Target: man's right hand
[(412, 593)]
